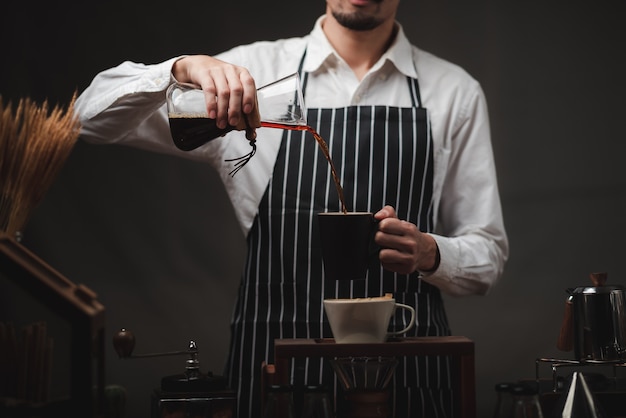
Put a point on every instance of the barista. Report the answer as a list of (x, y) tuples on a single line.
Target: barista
[(409, 134)]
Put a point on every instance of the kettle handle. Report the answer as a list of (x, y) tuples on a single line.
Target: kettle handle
[(565, 341)]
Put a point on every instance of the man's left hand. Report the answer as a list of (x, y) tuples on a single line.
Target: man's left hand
[(404, 248)]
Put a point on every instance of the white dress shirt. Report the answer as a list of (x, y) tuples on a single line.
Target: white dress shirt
[(126, 105)]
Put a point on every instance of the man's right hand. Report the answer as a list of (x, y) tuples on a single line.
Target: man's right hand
[(229, 90)]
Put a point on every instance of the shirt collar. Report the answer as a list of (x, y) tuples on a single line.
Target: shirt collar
[(319, 50)]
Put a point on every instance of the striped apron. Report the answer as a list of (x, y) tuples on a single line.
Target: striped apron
[(384, 156)]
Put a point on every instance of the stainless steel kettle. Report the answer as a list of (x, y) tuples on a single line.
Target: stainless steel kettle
[(594, 324)]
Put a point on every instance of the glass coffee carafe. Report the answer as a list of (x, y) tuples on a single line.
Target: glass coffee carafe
[(280, 105)]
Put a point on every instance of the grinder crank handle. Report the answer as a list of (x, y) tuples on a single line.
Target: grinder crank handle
[(124, 343)]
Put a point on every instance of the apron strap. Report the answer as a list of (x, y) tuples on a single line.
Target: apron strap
[(303, 77), (414, 88)]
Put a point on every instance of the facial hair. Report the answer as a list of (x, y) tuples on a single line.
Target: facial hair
[(357, 21)]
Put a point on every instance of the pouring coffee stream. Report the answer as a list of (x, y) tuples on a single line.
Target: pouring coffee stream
[(280, 105), (324, 147)]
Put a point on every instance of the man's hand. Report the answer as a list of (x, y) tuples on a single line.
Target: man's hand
[(230, 90), (404, 248)]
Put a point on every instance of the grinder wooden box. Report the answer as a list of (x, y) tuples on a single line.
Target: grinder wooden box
[(75, 307)]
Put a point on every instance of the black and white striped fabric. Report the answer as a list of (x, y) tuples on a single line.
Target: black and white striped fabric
[(383, 155)]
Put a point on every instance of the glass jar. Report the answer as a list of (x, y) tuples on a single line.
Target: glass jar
[(526, 402), (316, 403), (504, 400), (279, 402)]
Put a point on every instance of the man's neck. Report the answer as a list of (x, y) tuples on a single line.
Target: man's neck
[(359, 49)]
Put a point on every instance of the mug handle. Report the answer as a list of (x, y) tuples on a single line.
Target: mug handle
[(411, 322)]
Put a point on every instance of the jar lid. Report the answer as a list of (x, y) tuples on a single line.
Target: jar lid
[(504, 386), (280, 388), (524, 389)]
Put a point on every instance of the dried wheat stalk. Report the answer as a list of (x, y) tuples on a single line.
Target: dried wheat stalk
[(35, 142)]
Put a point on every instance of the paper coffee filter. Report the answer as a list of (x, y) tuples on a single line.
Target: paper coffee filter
[(386, 297)]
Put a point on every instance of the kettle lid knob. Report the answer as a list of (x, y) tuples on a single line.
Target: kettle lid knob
[(598, 279)]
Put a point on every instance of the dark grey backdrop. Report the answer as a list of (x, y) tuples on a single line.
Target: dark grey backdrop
[(156, 239)]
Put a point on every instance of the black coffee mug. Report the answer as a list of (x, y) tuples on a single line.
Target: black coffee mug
[(347, 243)]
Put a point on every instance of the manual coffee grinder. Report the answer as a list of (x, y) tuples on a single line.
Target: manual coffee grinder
[(189, 394)]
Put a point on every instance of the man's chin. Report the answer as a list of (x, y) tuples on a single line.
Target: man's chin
[(357, 21)]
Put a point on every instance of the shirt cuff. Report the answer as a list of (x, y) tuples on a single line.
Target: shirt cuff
[(437, 262), (446, 265)]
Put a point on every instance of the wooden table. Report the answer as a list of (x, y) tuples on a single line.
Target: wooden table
[(460, 350)]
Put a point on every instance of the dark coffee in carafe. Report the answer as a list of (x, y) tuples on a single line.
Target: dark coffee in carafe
[(189, 132)]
